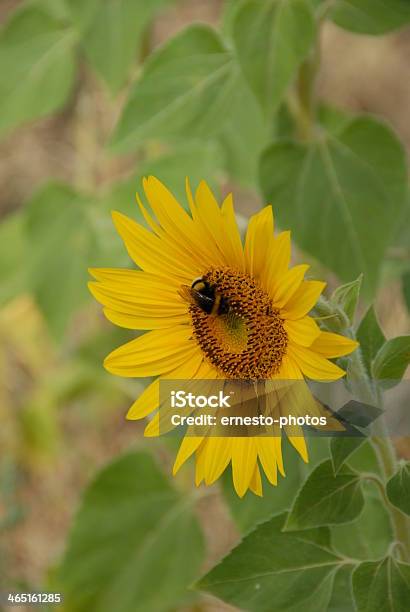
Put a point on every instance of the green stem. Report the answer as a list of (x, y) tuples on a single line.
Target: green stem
[(385, 454), (367, 391), (302, 100)]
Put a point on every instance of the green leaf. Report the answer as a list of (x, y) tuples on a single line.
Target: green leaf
[(272, 39), (371, 16), (370, 337), (111, 33), (243, 136), (342, 448), (382, 585), (275, 571), (12, 257), (392, 360), (327, 498), (62, 245), (186, 89), (365, 459), (341, 195), (370, 535), (334, 119), (55, 8), (135, 544), (342, 598), (347, 297), (398, 488), (37, 66)]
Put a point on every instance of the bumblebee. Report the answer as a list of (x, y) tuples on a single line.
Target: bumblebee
[(205, 296)]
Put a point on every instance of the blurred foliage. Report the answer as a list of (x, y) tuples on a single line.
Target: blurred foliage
[(235, 105), (132, 531)]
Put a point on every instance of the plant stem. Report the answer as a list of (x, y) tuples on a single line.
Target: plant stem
[(367, 392)]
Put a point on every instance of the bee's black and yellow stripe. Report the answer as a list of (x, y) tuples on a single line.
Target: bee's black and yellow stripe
[(207, 298)]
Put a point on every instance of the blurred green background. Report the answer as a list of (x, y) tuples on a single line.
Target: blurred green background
[(69, 154)]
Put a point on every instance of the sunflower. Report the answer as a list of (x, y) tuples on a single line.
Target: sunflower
[(269, 334)]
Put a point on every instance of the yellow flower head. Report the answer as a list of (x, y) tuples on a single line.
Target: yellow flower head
[(266, 335)]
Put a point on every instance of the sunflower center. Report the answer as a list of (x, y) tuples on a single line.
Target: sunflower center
[(249, 341)]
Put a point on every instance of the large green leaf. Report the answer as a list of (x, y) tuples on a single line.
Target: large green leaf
[(244, 136), (398, 488), (55, 8), (62, 245), (135, 543), (371, 16), (327, 498), (370, 337), (272, 39), (276, 571), (382, 585), (186, 90), (111, 33), (342, 597), (341, 195), (37, 66), (392, 360), (370, 535)]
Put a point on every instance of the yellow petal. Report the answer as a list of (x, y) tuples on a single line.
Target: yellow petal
[(143, 322), (152, 430), (136, 299), (299, 443), (259, 232), (217, 457), (303, 300), (303, 331), (132, 282), (147, 402), (255, 483), (288, 284), (153, 353), (289, 370), (175, 221), (278, 261), (209, 218), (333, 345), (269, 451), (153, 254), (313, 365), (148, 218), (243, 463), (188, 446), (149, 399)]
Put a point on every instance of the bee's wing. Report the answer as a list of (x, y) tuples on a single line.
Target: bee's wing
[(194, 297), (186, 293)]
